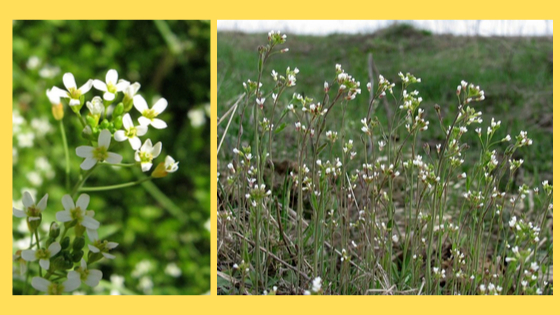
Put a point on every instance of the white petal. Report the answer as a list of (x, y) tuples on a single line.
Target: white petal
[(90, 223), (112, 77), (69, 81), (140, 103), (119, 135), (92, 234), (93, 278), (93, 249), (111, 245), (158, 123), (146, 166), (71, 284), (113, 158), (108, 256), (108, 96), (73, 275), (137, 156), (86, 87), (134, 88), (63, 216), (58, 92), (100, 85), (30, 219), (122, 85), (40, 284), (54, 248), (147, 146), (83, 202), (74, 102), (156, 150), (18, 213), (68, 203), (127, 121), (27, 200), (88, 163), (43, 202), (141, 130), (84, 151), (44, 263), (83, 264), (135, 143), (28, 255), (160, 105), (144, 121), (104, 138)]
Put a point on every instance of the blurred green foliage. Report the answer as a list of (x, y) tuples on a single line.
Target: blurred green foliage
[(162, 223)]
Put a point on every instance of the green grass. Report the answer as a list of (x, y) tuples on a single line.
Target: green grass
[(516, 74)]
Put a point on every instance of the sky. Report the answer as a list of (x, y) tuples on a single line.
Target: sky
[(457, 27)]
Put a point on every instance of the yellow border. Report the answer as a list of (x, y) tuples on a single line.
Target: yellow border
[(238, 10)]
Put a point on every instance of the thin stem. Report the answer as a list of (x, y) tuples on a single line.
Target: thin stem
[(66, 154), (81, 182), (112, 187), (120, 164)]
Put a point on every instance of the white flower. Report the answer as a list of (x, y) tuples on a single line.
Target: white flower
[(147, 153), (51, 288), (91, 277), (93, 155), (43, 254), (111, 86), (170, 164), (130, 132), (102, 247), (197, 117), (149, 115), (316, 285), (173, 270), (96, 107), (73, 93), (131, 90), (31, 210), (79, 213)]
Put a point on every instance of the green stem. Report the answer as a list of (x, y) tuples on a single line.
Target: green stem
[(112, 187), (66, 155), (38, 247), (81, 182), (120, 164)]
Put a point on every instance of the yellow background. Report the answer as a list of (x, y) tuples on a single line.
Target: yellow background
[(213, 10)]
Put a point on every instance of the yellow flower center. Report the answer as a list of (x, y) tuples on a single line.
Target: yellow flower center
[(150, 114), (100, 153), (131, 133)]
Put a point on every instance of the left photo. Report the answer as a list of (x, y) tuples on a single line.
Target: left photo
[(111, 156)]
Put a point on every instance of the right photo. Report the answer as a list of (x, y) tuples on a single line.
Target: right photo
[(395, 157)]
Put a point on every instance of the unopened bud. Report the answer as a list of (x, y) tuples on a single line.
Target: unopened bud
[(58, 111)]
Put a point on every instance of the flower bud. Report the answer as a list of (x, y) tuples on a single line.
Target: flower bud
[(119, 109), (117, 122), (65, 243), (54, 230), (58, 263), (58, 111), (77, 255), (92, 120), (79, 243), (160, 171), (33, 225)]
